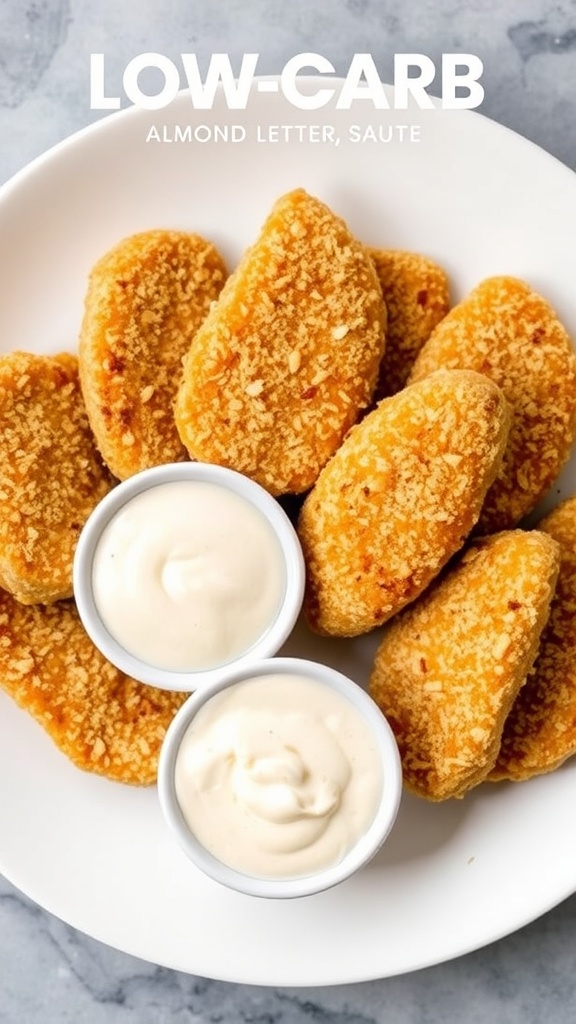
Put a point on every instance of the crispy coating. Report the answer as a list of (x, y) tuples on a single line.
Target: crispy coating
[(146, 299), (417, 296), (507, 331), (288, 356), (101, 719), (399, 498), (51, 475), (540, 731), (449, 667)]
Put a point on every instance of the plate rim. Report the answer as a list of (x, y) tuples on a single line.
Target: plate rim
[(102, 125)]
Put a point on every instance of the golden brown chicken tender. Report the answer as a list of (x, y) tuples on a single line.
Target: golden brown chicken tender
[(101, 719), (510, 333), (146, 299), (540, 731), (417, 296), (51, 475), (399, 498), (450, 666), (288, 356)]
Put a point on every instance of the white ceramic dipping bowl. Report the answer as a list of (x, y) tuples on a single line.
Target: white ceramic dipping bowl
[(290, 583), (303, 884)]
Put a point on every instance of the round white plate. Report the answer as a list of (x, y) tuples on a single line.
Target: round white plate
[(453, 876)]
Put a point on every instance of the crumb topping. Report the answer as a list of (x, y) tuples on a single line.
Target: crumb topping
[(145, 301), (389, 509), (416, 294), (506, 331), (450, 667), (288, 356), (101, 719), (540, 732), (51, 475)]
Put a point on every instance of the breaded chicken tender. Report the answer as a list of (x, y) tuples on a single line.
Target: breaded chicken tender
[(449, 667), (288, 356), (510, 333), (417, 296), (540, 731), (399, 498), (146, 299), (101, 719), (51, 475)]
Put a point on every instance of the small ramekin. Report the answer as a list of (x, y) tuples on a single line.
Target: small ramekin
[(277, 630), (298, 886)]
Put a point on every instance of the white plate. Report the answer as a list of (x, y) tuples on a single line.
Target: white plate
[(453, 876)]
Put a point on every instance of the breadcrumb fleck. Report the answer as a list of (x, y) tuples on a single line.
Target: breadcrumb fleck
[(294, 361), (340, 332)]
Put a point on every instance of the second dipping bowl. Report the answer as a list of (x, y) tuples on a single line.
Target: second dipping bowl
[(280, 779), (185, 569)]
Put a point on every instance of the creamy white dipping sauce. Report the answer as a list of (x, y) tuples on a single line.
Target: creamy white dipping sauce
[(278, 776), (188, 575)]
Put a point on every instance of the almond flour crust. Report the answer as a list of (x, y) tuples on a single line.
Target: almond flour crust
[(449, 667), (288, 357), (145, 300), (540, 731), (102, 720), (51, 474), (399, 498), (511, 334)]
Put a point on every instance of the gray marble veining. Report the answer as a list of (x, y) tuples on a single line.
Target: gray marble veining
[(49, 973), (528, 49)]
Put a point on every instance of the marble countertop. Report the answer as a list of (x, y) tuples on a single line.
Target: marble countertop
[(49, 972)]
